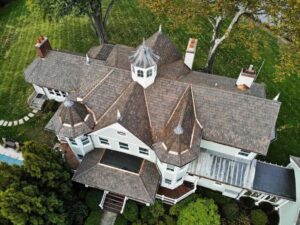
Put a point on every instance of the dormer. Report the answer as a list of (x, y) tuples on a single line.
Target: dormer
[(144, 65)]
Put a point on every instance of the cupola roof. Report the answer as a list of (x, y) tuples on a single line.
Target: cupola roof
[(144, 57)]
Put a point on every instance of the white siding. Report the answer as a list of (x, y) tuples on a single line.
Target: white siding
[(225, 149), (173, 176), (115, 134)]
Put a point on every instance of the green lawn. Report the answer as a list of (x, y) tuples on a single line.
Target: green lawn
[(128, 24)]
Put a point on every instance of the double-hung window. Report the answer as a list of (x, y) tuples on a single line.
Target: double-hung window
[(149, 73), (170, 168), (143, 151), (72, 141), (123, 146), (103, 141), (168, 181), (85, 140)]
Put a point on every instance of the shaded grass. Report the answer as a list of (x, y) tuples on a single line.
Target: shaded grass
[(128, 24)]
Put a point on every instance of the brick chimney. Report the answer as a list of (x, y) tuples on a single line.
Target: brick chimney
[(42, 46), (246, 78), (190, 52)]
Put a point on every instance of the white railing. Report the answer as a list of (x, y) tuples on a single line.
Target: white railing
[(173, 201), (124, 203), (103, 199)]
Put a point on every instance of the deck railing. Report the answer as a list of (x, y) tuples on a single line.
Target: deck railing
[(173, 201), (103, 199)]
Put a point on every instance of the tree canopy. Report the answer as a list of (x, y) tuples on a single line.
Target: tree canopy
[(223, 15), (200, 212), (37, 192), (94, 9)]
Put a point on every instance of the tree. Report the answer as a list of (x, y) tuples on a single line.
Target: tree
[(222, 16), (131, 211), (37, 192), (54, 9), (258, 217), (200, 212)]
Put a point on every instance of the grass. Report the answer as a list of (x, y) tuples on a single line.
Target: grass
[(128, 24)]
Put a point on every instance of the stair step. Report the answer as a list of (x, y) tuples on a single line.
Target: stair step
[(111, 209), (115, 199), (115, 196), (109, 204)]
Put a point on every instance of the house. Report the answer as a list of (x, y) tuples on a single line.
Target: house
[(145, 126)]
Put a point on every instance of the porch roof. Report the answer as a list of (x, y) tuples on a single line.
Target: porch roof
[(141, 186)]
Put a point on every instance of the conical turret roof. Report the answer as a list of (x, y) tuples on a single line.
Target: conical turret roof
[(71, 120), (144, 57)]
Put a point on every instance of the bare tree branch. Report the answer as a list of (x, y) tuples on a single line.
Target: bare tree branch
[(109, 7)]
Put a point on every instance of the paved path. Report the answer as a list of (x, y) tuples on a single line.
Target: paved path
[(5, 123), (108, 218)]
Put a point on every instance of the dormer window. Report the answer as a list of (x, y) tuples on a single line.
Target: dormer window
[(149, 73), (140, 73)]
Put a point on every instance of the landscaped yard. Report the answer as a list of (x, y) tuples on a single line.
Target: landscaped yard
[(128, 24)]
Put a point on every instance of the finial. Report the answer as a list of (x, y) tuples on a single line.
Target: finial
[(276, 97), (159, 29), (87, 59)]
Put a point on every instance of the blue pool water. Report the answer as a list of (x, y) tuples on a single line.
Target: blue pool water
[(10, 161)]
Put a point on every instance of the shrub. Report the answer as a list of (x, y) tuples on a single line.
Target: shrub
[(175, 209), (50, 106), (248, 202), (93, 198), (93, 218), (231, 211), (131, 211), (77, 213), (258, 217), (120, 220), (200, 212), (273, 217), (169, 220)]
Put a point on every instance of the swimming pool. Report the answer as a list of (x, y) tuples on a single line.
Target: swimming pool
[(10, 161)]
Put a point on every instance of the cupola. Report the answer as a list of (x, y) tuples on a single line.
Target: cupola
[(144, 65)]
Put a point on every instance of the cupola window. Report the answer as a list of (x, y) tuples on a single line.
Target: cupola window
[(140, 73), (149, 73)]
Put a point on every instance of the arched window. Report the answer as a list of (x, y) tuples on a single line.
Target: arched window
[(149, 73), (140, 73)]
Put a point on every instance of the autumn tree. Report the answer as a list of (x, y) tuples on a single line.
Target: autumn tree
[(55, 9), (222, 16)]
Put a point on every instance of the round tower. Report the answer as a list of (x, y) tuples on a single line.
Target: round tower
[(144, 65)]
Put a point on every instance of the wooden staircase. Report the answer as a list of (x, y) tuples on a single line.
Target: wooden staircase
[(113, 202)]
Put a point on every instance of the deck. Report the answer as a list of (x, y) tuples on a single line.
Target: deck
[(177, 192)]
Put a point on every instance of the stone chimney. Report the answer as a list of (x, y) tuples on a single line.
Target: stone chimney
[(246, 78), (190, 52), (42, 46)]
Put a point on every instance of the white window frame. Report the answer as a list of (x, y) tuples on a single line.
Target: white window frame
[(143, 151), (123, 146), (140, 73), (179, 179), (149, 73), (85, 140), (170, 168), (168, 181), (73, 142), (103, 141), (243, 153)]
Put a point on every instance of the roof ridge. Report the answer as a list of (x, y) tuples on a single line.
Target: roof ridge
[(117, 99), (177, 104), (97, 84)]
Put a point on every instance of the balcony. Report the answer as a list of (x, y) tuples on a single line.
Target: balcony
[(171, 197)]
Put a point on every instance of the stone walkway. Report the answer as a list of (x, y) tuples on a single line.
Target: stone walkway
[(5, 123), (108, 218)]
